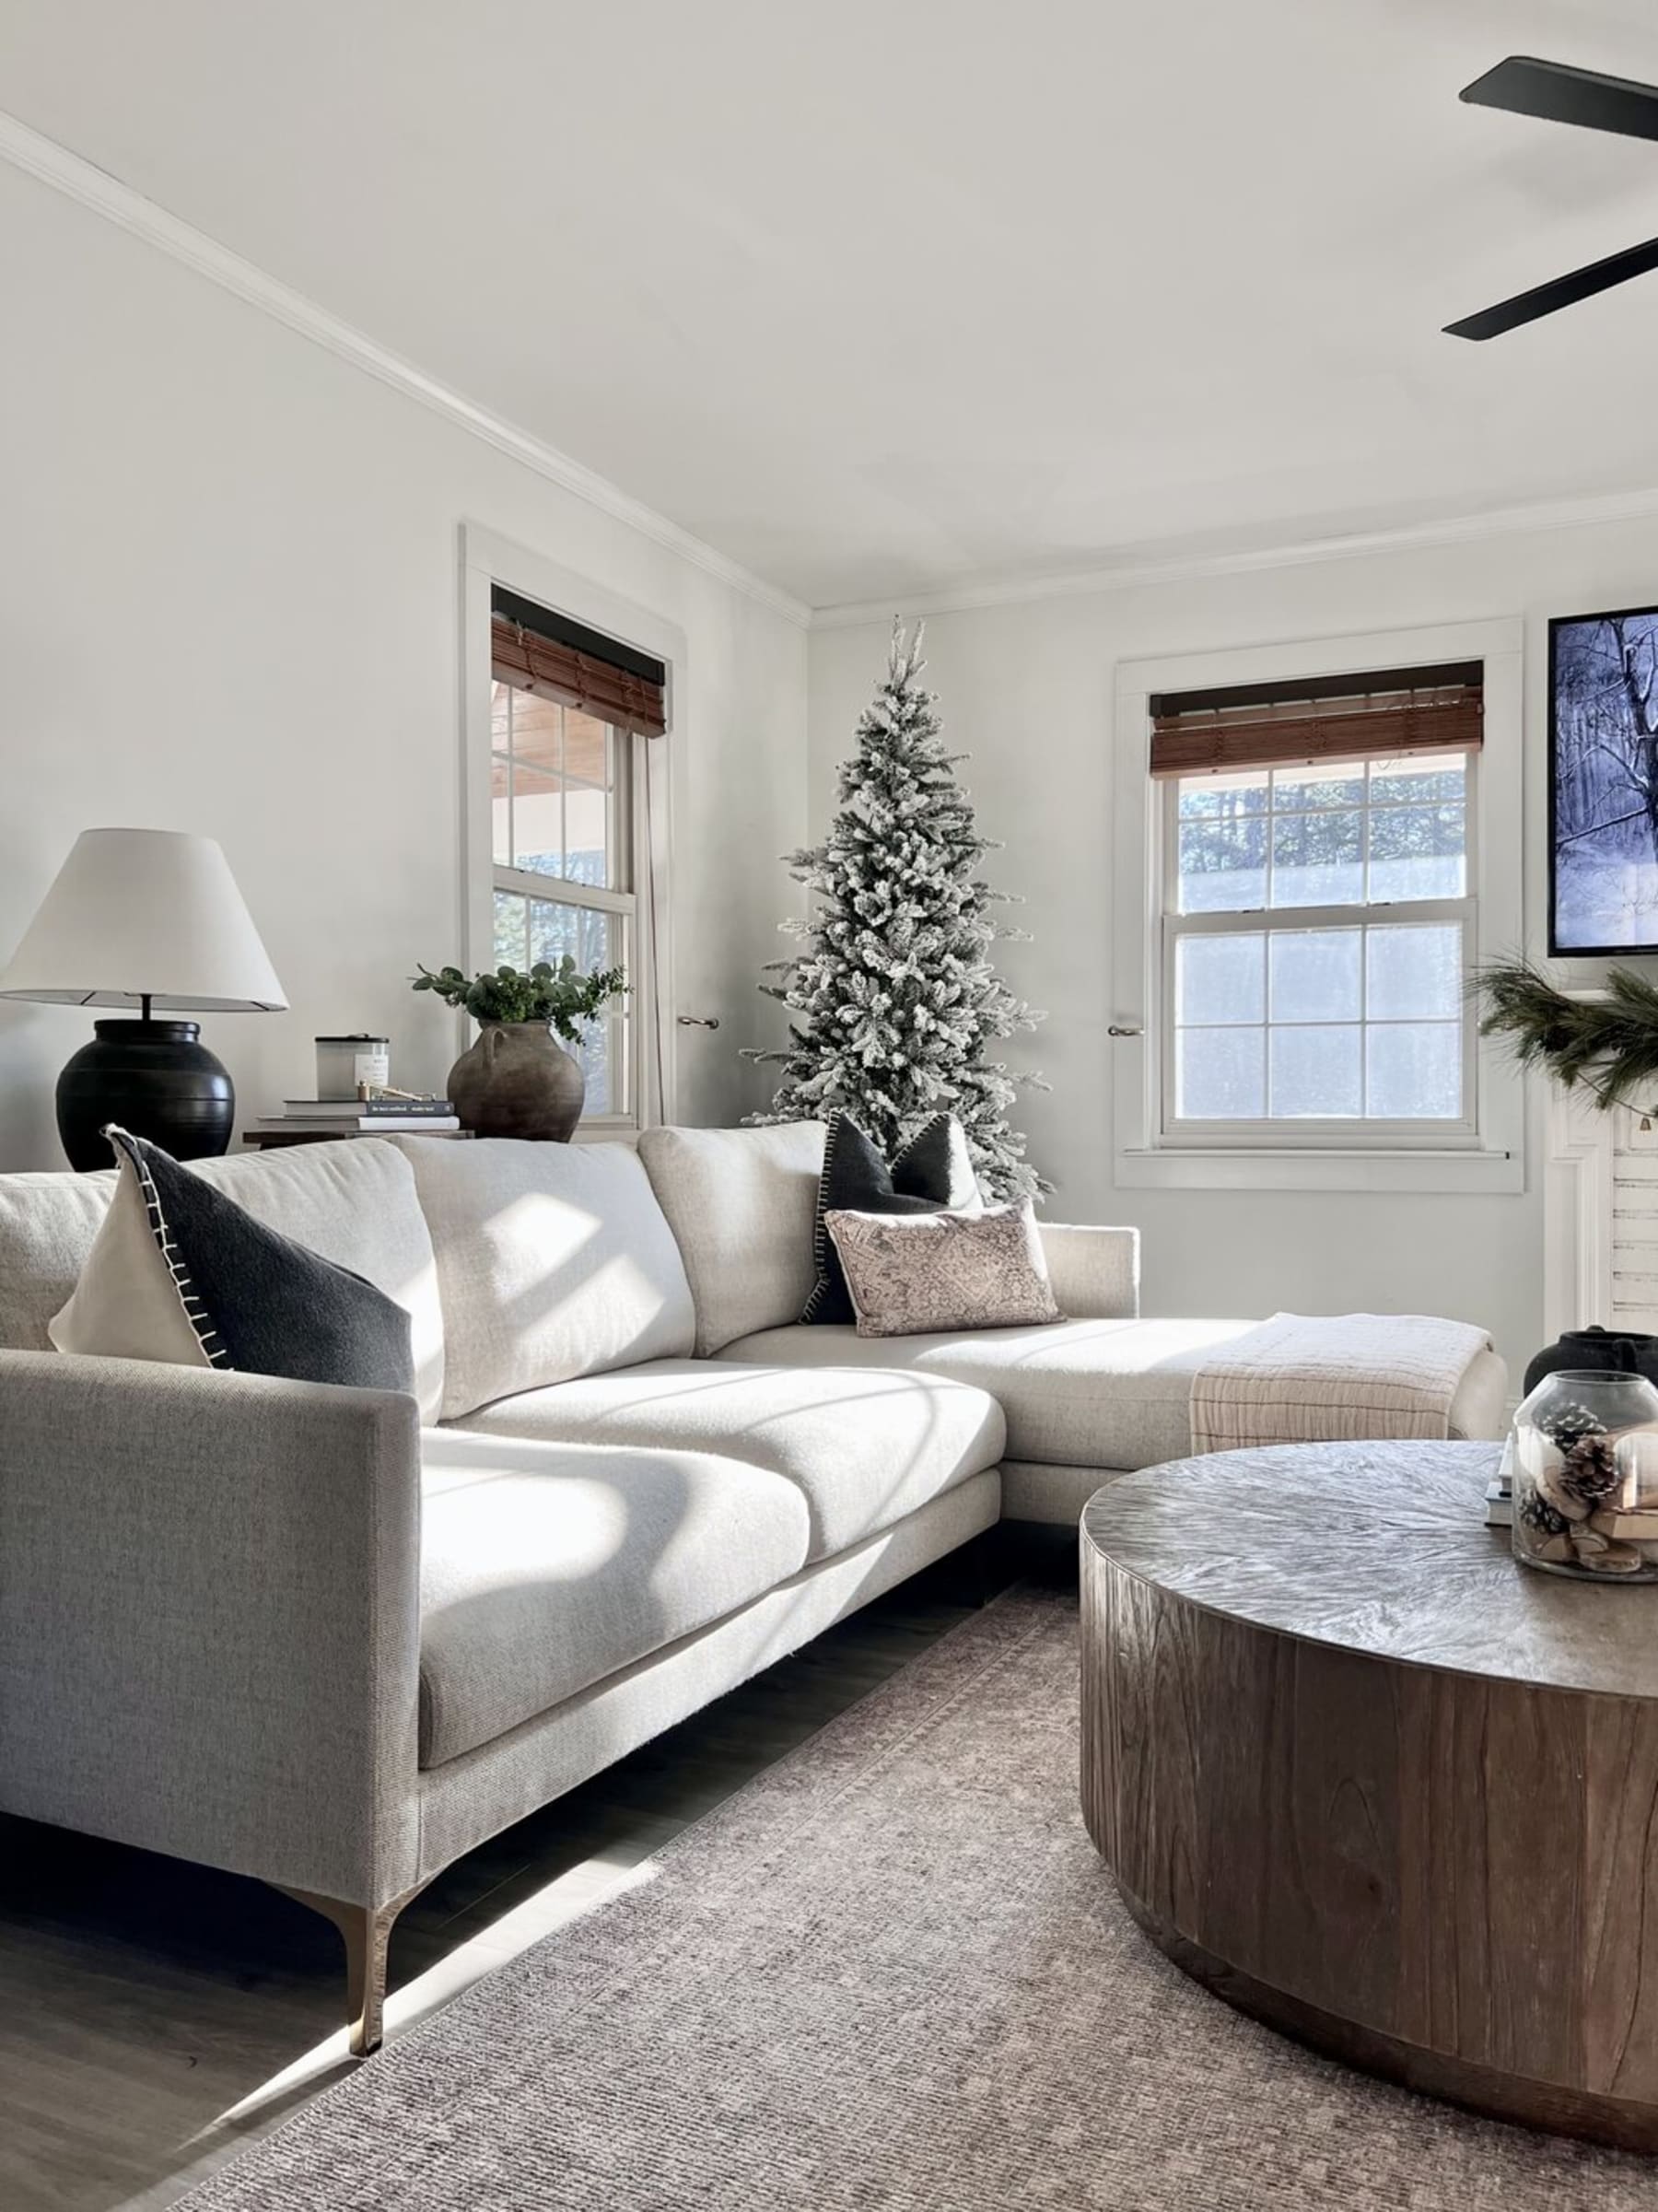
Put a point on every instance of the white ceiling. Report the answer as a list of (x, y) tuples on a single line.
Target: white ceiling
[(882, 295)]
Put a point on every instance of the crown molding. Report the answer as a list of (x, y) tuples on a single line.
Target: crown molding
[(1459, 530), (82, 181)]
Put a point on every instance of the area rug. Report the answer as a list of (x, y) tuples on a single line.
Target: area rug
[(890, 1975)]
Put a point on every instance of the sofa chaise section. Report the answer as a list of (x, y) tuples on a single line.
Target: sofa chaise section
[(1101, 1393), (1083, 1399)]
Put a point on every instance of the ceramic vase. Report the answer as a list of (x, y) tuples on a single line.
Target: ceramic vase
[(517, 1080)]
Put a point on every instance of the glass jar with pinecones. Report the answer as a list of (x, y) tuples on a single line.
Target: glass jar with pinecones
[(1585, 1476)]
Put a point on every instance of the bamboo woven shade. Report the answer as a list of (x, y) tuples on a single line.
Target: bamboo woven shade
[(560, 671), (1217, 737)]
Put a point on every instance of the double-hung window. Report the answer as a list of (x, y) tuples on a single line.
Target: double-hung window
[(570, 713), (1319, 924)]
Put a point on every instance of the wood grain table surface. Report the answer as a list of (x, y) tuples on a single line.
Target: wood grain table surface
[(1374, 1781)]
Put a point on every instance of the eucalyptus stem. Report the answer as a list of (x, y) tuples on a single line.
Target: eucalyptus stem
[(559, 995)]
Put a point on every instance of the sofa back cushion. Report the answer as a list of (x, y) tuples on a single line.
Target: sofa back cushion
[(353, 1203), (554, 1260), (743, 1204), (47, 1225)]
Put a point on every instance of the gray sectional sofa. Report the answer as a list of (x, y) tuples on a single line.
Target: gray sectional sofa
[(335, 1638)]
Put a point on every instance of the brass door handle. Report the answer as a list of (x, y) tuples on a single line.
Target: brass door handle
[(697, 1021), (1117, 1030)]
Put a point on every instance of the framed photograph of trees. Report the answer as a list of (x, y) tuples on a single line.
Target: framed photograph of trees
[(1602, 782)]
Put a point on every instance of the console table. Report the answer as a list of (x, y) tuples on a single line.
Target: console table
[(268, 1141), (1373, 1782)]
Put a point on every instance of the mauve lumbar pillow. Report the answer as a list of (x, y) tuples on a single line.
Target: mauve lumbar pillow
[(933, 1171), (180, 1273), (917, 1274)]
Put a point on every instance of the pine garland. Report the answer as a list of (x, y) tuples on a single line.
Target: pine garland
[(1608, 1046), (894, 998)]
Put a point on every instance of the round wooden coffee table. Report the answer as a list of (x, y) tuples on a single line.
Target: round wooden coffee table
[(1373, 1782)]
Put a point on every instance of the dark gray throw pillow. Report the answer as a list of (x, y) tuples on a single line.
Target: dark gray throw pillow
[(256, 1301), (933, 1172)]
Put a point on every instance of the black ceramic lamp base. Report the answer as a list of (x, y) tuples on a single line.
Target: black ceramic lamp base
[(154, 1078)]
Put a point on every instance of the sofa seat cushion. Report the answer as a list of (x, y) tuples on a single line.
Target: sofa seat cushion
[(1115, 1395), (863, 1446), (545, 1568), (1088, 1393)]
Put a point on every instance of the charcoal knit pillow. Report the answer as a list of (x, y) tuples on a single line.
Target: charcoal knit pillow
[(180, 1273), (931, 1172)]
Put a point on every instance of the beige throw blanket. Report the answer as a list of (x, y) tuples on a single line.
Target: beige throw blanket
[(1309, 1378)]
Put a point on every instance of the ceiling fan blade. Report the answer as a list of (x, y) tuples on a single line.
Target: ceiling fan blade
[(1564, 291), (1559, 93)]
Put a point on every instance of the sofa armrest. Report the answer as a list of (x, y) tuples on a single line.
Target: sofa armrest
[(209, 1616), (1095, 1272)]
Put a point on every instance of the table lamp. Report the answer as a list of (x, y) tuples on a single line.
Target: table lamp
[(150, 918)]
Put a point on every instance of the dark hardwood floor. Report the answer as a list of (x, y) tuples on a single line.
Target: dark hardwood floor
[(155, 2015)]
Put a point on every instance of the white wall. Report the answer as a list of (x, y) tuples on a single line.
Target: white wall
[(1027, 690), (229, 602)]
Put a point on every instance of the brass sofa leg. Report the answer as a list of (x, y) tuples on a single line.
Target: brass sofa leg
[(367, 1933)]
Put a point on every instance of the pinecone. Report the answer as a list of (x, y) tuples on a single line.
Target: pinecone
[(1536, 1512), (1591, 1470), (1571, 1425)]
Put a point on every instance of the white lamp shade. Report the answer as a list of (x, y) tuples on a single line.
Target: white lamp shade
[(144, 913)]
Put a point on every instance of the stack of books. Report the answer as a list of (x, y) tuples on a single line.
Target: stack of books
[(351, 1116), (1500, 1489)]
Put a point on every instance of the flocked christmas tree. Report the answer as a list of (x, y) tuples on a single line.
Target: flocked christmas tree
[(894, 1001)]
